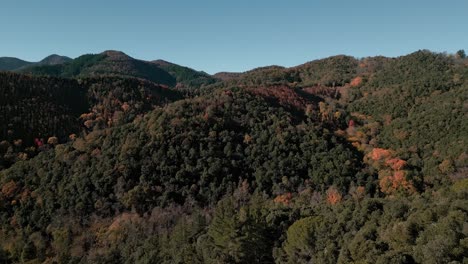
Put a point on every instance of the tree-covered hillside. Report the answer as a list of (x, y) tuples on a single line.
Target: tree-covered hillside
[(339, 160), (418, 105), (39, 112)]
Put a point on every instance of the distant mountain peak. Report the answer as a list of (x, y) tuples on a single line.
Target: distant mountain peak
[(115, 54), (55, 59)]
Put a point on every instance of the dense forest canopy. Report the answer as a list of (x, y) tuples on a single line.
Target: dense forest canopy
[(109, 159)]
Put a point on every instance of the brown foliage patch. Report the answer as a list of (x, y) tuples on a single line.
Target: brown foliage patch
[(396, 163), (125, 107), (380, 153), (9, 189), (333, 196), (396, 181), (356, 81), (284, 199)]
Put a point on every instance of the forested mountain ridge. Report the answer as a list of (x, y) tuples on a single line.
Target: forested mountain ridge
[(339, 160), (116, 63), (107, 63), (15, 64)]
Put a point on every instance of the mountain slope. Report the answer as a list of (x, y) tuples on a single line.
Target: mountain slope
[(33, 109), (417, 103), (39, 107), (9, 63), (193, 149), (186, 77)]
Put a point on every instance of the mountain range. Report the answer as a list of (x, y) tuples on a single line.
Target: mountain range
[(110, 63), (115, 63)]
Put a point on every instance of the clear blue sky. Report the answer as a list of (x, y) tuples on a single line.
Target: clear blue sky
[(222, 35)]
